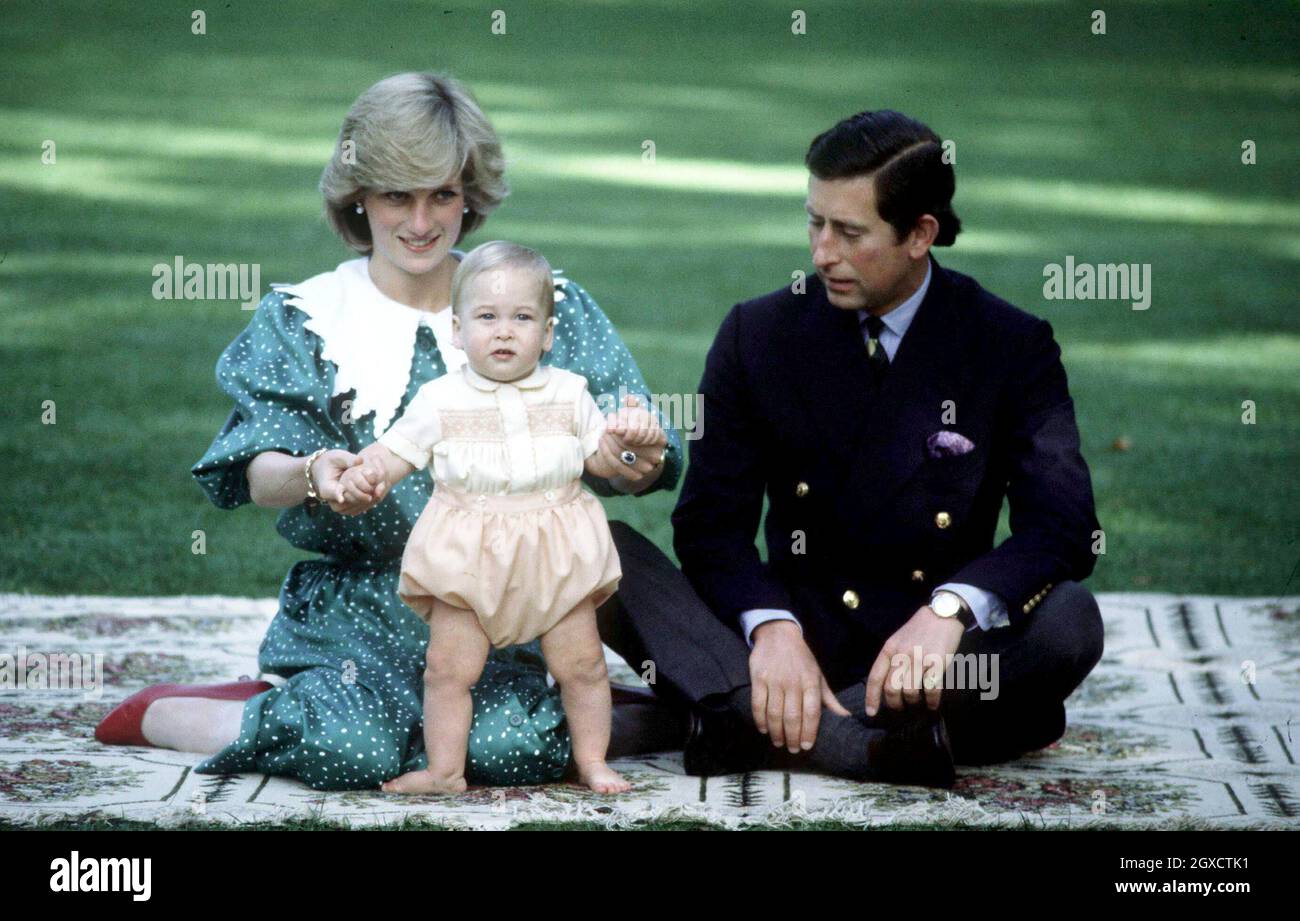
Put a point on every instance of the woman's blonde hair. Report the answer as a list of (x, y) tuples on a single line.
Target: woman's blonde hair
[(497, 254), (412, 131)]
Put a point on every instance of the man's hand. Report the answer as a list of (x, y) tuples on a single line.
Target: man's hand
[(788, 688), (926, 640)]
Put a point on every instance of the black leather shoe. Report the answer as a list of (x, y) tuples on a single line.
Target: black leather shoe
[(915, 753), (720, 743)]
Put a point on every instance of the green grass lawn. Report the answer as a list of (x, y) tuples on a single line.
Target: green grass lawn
[(1123, 147)]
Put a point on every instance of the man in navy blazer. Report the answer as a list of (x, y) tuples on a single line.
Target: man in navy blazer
[(885, 407)]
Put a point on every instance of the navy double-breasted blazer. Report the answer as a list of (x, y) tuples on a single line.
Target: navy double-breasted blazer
[(862, 523)]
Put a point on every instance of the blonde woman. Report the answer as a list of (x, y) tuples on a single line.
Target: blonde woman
[(323, 368)]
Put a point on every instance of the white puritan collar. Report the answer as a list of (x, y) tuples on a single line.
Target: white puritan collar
[(368, 336)]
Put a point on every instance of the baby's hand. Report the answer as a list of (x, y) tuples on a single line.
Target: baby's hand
[(633, 425), (360, 483)]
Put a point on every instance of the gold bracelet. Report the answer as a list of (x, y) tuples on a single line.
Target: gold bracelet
[(312, 495)]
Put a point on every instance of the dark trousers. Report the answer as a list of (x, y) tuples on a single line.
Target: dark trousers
[(666, 633)]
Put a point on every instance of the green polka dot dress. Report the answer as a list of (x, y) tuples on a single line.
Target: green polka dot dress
[(349, 714)]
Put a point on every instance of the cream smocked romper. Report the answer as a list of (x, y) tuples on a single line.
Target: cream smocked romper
[(508, 532)]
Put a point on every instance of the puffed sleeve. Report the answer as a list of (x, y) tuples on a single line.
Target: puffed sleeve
[(591, 423), (413, 436), (281, 388), (586, 343)]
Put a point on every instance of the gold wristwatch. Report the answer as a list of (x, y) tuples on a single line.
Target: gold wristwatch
[(950, 604)]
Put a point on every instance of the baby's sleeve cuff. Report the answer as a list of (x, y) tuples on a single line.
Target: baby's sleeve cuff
[(591, 441), (405, 449)]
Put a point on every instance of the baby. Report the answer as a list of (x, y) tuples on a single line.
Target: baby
[(509, 546)]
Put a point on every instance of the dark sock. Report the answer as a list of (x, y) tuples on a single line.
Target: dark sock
[(639, 729), (738, 703), (842, 744)]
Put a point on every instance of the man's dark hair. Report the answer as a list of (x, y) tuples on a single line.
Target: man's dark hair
[(905, 159)]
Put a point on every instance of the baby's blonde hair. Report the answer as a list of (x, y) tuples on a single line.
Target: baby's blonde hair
[(501, 254)]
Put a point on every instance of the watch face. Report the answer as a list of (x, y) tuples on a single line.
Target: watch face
[(945, 605)]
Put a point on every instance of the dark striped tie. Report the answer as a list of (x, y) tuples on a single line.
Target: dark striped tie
[(877, 357)]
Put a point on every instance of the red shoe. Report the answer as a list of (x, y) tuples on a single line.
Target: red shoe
[(122, 725)]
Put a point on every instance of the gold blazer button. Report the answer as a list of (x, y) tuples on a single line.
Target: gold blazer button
[(801, 489), (850, 600), (942, 520)]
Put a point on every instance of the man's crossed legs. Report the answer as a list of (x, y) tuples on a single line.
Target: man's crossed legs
[(657, 622)]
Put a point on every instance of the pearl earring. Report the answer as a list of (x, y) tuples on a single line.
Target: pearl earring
[(361, 208), (465, 210)]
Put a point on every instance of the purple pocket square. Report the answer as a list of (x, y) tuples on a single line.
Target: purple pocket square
[(948, 444)]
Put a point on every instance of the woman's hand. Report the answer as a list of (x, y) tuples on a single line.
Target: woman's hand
[(632, 429), (599, 464), (327, 473)]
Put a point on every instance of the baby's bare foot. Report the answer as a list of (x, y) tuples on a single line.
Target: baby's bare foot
[(602, 778), (425, 782)]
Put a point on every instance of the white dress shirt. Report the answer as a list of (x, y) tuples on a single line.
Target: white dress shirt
[(989, 609)]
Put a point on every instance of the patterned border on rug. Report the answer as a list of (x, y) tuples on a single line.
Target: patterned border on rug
[(1190, 720)]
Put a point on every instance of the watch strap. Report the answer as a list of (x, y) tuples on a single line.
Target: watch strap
[(964, 614)]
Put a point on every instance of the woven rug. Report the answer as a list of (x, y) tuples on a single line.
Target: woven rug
[(1190, 720)]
